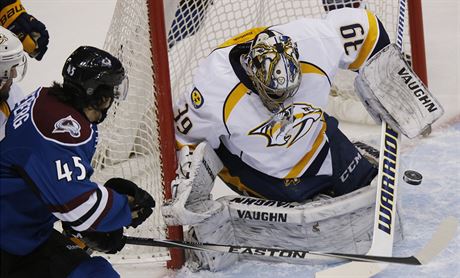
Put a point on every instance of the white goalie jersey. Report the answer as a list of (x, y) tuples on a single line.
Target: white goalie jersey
[(221, 109)]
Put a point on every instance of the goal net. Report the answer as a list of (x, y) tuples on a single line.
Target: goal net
[(131, 143)]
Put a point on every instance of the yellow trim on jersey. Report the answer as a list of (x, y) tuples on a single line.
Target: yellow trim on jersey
[(297, 169), (243, 37), (306, 67), (310, 68), (5, 108), (230, 180), (179, 145), (369, 42), (233, 98)]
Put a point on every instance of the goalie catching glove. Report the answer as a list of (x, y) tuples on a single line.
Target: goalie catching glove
[(391, 91), (191, 202)]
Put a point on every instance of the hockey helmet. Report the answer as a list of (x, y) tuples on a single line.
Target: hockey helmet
[(13, 61), (94, 74), (273, 66)]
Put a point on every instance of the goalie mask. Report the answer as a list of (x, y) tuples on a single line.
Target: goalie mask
[(273, 66), (13, 62), (95, 74)]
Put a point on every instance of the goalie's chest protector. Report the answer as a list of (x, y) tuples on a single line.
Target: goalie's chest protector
[(242, 123)]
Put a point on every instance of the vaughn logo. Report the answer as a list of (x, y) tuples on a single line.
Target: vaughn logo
[(417, 89), (262, 203), (68, 124), (294, 122), (262, 215)]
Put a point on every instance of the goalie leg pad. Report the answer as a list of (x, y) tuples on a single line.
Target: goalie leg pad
[(216, 229), (391, 91), (341, 224)]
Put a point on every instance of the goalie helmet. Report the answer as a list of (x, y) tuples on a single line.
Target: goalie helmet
[(273, 66), (13, 62), (95, 74)]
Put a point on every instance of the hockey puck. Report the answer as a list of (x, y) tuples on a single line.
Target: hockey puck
[(412, 177)]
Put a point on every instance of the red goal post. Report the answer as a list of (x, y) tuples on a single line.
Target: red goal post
[(137, 138)]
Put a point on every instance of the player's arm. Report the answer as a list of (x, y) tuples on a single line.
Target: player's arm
[(361, 35), (96, 212), (30, 31)]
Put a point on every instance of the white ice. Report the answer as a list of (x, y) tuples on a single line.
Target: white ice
[(72, 23)]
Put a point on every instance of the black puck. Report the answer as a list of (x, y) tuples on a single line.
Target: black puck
[(412, 177)]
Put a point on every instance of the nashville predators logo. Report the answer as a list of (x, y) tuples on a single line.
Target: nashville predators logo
[(197, 98), (292, 123), (68, 124)]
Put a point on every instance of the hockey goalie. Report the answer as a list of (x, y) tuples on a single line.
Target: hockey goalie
[(255, 117)]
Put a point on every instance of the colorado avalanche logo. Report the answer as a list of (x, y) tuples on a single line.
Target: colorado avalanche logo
[(295, 121), (68, 124)]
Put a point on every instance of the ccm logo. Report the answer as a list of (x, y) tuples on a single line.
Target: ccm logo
[(350, 168)]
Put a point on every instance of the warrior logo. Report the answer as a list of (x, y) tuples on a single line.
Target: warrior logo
[(289, 125), (68, 124)]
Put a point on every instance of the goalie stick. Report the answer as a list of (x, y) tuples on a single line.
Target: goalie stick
[(440, 239), (387, 187), (385, 202)]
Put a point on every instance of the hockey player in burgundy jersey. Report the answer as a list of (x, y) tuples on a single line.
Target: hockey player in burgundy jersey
[(45, 175)]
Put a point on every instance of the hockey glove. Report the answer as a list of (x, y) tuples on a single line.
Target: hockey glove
[(30, 31), (106, 242), (140, 201)]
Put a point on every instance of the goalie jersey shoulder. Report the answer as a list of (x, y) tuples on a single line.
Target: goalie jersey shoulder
[(361, 34)]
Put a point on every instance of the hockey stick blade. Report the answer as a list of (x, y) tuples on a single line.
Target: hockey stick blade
[(439, 241)]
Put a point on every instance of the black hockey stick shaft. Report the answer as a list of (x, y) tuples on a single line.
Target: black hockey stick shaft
[(267, 252)]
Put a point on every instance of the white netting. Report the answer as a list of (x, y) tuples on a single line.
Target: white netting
[(129, 145)]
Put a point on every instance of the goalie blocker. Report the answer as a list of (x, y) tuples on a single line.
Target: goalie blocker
[(391, 91), (341, 224)]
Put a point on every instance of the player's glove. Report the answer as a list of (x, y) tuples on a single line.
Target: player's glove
[(140, 202), (30, 31), (106, 242)]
